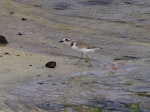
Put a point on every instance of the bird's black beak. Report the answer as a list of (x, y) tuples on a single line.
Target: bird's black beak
[(61, 41)]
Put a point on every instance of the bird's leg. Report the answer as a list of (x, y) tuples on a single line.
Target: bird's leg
[(88, 59), (79, 59)]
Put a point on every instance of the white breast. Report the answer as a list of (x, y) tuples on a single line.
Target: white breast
[(83, 50)]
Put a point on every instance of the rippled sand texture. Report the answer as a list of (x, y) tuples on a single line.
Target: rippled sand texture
[(120, 73)]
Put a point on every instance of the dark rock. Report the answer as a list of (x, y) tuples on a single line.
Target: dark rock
[(72, 78), (38, 75), (3, 40), (49, 75), (11, 12), (63, 83), (20, 33), (53, 84), (23, 19), (40, 83), (6, 53), (62, 6), (51, 64)]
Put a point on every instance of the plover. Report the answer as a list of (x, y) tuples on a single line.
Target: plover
[(82, 47)]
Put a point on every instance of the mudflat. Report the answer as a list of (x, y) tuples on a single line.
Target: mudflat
[(119, 77)]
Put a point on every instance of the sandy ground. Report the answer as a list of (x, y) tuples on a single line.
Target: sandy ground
[(20, 66), (125, 33)]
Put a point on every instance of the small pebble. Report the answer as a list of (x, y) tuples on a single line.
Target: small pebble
[(38, 75), (23, 19), (72, 78), (40, 83), (53, 84), (63, 83), (3, 40), (49, 75), (6, 53), (51, 64), (20, 33)]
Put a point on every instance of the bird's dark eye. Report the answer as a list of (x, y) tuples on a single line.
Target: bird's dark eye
[(66, 39)]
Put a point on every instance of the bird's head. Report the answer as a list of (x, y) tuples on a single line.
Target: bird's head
[(66, 41)]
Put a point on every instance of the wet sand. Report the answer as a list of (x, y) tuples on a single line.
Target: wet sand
[(34, 29)]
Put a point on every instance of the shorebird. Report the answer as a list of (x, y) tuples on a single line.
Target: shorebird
[(82, 47)]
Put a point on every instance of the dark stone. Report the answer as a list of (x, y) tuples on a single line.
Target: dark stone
[(20, 33), (6, 53), (3, 40), (11, 12), (23, 19), (51, 64), (63, 83), (97, 2), (38, 75), (40, 83), (62, 6), (49, 75), (72, 78), (53, 84)]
